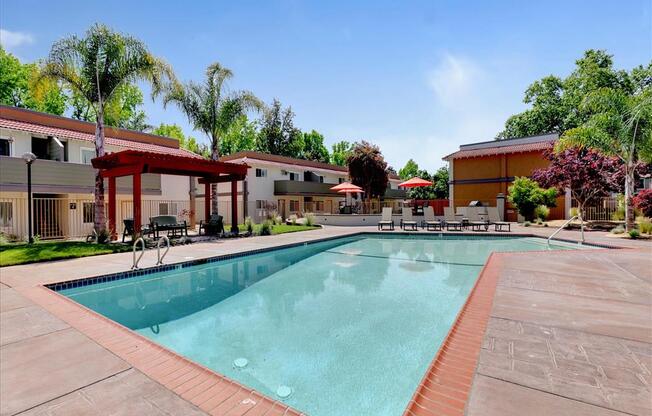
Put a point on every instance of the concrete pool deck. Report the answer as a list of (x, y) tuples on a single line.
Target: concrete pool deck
[(566, 334)]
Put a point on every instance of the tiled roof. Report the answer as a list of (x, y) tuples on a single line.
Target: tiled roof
[(77, 135), (502, 149), (288, 161)]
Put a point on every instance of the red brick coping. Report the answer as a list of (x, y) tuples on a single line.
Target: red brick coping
[(445, 388)]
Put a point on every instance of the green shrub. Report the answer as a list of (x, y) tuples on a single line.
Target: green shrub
[(634, 233), (645, 226), (293, 219), (309, 219), (266, 228), (541, 212), (278, 220), (539, 221), (104, 236), (618, 230), (527, 224), (249, 225), (618, 214), (526, 195), (3, 239)]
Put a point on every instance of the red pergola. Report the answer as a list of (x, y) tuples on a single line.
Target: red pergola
[(135, 163)]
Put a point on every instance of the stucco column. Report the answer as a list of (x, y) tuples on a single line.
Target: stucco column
[(234, 206), (207, 202), (500, 206)]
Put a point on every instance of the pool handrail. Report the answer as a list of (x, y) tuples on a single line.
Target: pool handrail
[(159, 260), (142, 253), (564, 226)]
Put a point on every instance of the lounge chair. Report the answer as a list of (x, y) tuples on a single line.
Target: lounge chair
[(451, 221), (407, 220), (494, 219), (475, 222), (386, 219), (214, 226), (429, 221)]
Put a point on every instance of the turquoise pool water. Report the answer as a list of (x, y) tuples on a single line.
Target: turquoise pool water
[(347, 324)]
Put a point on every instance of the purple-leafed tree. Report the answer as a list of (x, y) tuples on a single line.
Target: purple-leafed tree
[(587, 173)]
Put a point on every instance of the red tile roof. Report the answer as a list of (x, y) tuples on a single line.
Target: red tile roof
[(500, 150), (249, 154), (77, 135)]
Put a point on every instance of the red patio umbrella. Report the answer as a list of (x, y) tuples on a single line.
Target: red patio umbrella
[(415, 183), (346, 185)]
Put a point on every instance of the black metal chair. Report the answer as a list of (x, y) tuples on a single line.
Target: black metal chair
[(214, 226)]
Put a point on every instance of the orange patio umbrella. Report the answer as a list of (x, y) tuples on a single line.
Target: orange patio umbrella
[(348, 186), (415, 183), (355, 190)]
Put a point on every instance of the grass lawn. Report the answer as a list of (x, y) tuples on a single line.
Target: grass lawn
[(11, 254), (278, 229)]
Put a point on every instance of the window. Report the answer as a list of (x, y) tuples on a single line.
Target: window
[(86, 154), (88, 212), (6, 213), (294, 206), (319, 206), (5, 147), (340, 180), (321, 179), (261, 173), (167, 208), (261, 204), (293, 176)]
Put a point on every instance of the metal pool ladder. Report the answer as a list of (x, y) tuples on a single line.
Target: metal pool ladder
[(158, 249), (135, 264), (564, 226)]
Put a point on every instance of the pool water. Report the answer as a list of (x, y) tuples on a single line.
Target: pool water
[(346, 326)]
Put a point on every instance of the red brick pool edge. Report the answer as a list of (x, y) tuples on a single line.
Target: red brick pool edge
[(444, 390)]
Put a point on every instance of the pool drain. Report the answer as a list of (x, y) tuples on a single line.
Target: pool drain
[(240, 362), (283, 392)]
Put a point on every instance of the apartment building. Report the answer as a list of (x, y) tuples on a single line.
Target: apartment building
[(63, 178)]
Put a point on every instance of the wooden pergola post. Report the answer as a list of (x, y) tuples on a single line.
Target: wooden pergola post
[(137, 203), (234, 206), (112, 211), (207, 201)]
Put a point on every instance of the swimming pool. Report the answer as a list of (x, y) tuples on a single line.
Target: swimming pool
[(349, 323)]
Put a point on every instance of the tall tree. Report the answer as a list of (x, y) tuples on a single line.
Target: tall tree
[(123, 110), (341, 152), (94, 67), (211, 108), (313, 147), (410, 170), (278, 135), (185, 142), (556, 103), (620, 125), (368, 170), (240, 136), (19, 87)]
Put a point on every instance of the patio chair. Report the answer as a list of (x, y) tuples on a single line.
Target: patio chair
[(386, 219), (214, 226), (451, 221), (494, 219), (429, 220), (407, 220), (475, 222), (146, 230)]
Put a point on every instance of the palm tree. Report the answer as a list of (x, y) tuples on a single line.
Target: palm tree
[(210, 108), (94, 68), (621, 126)]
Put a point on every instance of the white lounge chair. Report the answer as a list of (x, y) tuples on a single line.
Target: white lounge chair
[(494, 219), (429, 220), (450, 220), (407, 220), (386, 219)]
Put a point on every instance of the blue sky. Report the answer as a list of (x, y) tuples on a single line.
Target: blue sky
[(416, 78)]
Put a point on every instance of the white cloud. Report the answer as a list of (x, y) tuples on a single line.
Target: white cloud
[(11, 40), (454, 80)]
